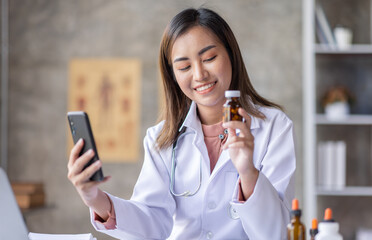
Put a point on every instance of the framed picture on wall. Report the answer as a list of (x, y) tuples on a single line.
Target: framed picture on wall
[(109, 91)]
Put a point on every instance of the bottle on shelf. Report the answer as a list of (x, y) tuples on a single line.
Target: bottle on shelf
[(296, 229), (328, 229), (314, 229)]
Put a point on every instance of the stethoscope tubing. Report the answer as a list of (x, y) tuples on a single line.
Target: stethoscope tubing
[(173, 171)]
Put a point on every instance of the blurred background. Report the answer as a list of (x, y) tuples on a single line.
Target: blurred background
[(45, 35)]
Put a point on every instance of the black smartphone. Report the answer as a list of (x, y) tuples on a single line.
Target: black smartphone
[(80, 128)]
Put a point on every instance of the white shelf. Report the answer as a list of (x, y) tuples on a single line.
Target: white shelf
[(347, 191), (353, 119), (312, 52), (361, 49)]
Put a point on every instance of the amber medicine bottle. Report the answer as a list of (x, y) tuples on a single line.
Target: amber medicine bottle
[(231, 106), (296, 229)]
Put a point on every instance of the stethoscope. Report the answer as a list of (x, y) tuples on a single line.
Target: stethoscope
[(173, 170), (232, 212)]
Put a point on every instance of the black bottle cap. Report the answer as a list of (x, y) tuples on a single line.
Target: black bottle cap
[(313, 232), (296, 213)]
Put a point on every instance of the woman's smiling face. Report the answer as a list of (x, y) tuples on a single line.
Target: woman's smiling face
[(202, 67)]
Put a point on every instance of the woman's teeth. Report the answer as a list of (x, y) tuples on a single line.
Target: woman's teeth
[(205, 87)]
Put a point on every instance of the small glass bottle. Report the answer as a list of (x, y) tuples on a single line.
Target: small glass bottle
[(314, 229), (295, 229), (231, 106)]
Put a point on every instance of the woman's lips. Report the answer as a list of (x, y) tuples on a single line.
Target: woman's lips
[(205, 87)]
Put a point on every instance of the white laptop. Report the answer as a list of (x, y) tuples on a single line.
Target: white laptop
[(12, 225)]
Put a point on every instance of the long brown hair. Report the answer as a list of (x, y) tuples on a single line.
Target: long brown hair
[(176, 102)]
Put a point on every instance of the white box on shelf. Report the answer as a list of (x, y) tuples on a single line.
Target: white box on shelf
[(340, 168), (364, 234), (332, 165)]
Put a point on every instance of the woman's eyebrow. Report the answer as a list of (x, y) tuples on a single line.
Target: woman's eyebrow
[(180, 59), (206, 49), (199, 53)]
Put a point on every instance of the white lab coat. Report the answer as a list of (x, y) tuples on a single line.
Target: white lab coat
[(214, 212)]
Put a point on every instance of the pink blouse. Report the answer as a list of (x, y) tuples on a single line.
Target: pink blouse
[(214, 138)]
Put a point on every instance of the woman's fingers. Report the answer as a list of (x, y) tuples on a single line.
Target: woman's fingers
[(75, 151), (80, 162), (79, 175), (84, 159), (246, 117), (84, 176), (231, 132), (244, 127), (244, 138), (238, 142)]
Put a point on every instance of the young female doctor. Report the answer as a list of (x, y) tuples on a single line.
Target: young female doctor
[(198, 180)]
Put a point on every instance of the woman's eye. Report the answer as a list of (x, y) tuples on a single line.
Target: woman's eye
[(184, 68), (210, 59)]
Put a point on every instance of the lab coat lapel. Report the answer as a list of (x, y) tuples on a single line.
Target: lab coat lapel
[(222, 161), (191, 119), (192, 122)]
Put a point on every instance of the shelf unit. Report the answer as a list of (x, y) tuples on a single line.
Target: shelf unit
[(347, 191), (364, 49), (354, 119), (4, 84), (317, 59)]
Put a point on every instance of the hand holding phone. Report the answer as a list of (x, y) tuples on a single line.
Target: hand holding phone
[(80, 128)]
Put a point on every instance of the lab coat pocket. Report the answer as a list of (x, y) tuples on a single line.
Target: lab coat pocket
[(231, 179)]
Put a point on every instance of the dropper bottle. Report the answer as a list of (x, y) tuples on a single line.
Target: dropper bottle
[(295, 229), (314, 229), (328, 229)]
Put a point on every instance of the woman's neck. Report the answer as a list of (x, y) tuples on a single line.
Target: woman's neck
[(210, 116)]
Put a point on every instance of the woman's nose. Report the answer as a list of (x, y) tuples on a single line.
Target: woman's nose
[(200, 73)]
